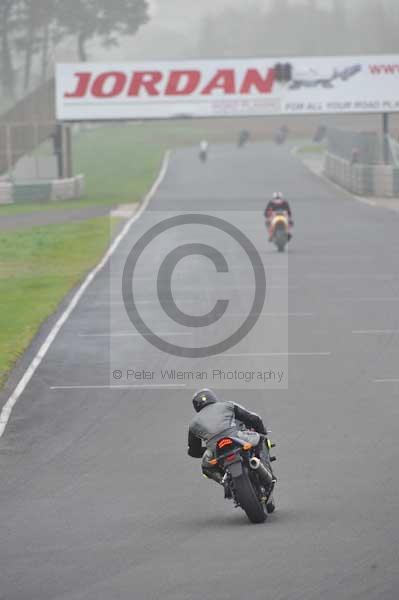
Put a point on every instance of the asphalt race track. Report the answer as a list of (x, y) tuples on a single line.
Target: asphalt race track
[(98, 500)]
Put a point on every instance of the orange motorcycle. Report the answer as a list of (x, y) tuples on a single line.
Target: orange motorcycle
[(279, 226)]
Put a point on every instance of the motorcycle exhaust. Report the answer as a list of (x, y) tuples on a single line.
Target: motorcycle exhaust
[(263, 473)]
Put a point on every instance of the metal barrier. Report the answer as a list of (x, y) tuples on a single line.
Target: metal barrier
[(394, 151), (42, 191), (381, 181)]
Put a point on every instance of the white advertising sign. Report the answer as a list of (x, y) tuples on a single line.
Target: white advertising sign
[(227, 87)]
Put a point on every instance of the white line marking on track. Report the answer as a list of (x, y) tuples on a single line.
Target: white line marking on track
[(349, 245), (265, 314), (382, 277), (192, 288), (375, 331), (117, 387), (288, 314), (223, 288), (13, 399), (132, 334), (387, 299), (279, 354), (396, 380), (333, 256)]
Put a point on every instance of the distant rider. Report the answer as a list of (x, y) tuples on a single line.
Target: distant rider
[(278, 203), (243, 137), (217, 419), (203, 152)]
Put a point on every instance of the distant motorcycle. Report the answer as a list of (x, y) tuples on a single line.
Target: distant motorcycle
[(280, 136), (203, 151), (279, 225), (243, 138), (247, 480), (203, 155)]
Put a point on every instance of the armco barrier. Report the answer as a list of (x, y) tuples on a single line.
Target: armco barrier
[(64, 189), (6, 192), (364, 180), (42, 191), (32, 192)]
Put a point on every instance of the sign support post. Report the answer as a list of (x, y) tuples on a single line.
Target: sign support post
[(385, 139)]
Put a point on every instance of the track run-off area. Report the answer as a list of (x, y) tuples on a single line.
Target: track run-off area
[(98, 498)]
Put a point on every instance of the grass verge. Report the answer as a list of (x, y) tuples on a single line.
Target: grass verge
[(311, 149), (37, 269)]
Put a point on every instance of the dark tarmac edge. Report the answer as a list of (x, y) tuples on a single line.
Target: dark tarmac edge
[(9, 223)]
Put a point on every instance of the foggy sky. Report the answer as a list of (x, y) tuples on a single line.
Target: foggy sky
[(175, 25), (169, 11)]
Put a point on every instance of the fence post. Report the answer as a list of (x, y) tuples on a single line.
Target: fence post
[(9, 149), (57, 140), (68, 152), (37, 142)]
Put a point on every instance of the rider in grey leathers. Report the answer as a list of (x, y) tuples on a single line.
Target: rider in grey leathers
[(216, 419)]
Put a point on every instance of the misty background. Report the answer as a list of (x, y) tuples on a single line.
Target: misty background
[(34, 34), (230, 28)]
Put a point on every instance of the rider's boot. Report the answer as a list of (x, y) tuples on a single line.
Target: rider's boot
[(220, 478), (270, 506)]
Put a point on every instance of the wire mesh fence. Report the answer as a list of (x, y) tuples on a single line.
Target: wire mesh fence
[(363, 147), (22, 154), (26, 126)]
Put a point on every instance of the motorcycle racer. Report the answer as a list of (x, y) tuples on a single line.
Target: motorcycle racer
[(278, 203), (217, 418)]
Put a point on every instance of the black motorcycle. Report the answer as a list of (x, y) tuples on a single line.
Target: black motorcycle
[(280, 135), (246, 479), (203, 156), (243, 138)]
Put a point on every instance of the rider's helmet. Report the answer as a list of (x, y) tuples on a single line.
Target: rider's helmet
[(203, 398), (277, 196)]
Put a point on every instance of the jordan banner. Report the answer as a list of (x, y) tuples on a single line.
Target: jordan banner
[(227, 87)]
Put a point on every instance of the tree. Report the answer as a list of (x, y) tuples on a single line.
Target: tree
[(50, 33), (7, 24), (100, 18), (35, 22)]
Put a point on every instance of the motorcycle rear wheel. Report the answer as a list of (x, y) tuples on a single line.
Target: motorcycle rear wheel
[(280, 239), (248, 500)]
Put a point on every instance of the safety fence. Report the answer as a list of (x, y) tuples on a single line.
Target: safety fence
[(363, 147), (364, 180), (20, 154), (27, 125)]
